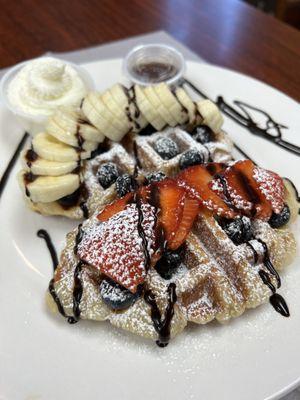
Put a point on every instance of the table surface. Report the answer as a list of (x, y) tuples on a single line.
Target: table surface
[(225, 32)]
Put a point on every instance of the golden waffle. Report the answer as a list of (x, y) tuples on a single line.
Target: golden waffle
[(218, 150), (217, 279)]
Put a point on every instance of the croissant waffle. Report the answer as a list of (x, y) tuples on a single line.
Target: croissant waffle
[(216, 280)]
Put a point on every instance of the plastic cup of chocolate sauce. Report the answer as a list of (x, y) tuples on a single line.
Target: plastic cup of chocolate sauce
[(154, 63)]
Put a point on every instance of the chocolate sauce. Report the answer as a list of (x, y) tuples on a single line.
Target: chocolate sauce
[(226, 193), (279, 304), (77, 290), (131, 96), (30, 157), (276, 300), (43, 234), (78, 238), (245, 120), (141, 231), (268, 264), (71, 200), (138, 164), (83, 204), (154, 72), (162, 326), (28, 178), (11, 164)]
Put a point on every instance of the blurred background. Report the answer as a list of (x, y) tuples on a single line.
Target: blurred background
[(285, 10)]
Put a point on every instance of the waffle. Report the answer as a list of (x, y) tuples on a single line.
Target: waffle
[(218, 150), (216, 280)]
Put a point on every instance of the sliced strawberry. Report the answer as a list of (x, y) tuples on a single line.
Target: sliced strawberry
[(116, 249), (196, 180), (247, 186), (272, 186), (171, 198), (115, 207), (190, 211)]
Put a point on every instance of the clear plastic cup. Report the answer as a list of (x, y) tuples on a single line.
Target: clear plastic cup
[(154, 54), (34, 124)]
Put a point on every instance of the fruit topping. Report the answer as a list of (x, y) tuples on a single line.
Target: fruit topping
[(166, 148), (203, 134), (111, 209), (239, 230), (190, 158), (272, 187), (190, 211), (279, 220), (249, 189), (171, 201), (196, 180), (169, 262), (107, 174), (125, 184), (116, 248), (155, 177), (116, 296)]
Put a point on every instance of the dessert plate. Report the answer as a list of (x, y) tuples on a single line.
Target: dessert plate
[(255, 357)]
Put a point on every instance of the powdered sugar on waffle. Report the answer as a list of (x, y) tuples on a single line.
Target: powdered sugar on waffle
[(271, 186), (115, 246)]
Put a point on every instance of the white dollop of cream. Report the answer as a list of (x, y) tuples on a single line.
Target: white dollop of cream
[(44, 84)]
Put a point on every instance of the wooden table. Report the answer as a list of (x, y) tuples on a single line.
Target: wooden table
[(225, 32)]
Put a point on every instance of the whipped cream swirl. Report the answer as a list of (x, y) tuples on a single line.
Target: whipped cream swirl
[(45, 84)]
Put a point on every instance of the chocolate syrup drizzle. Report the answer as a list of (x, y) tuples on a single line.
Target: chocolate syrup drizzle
[(12, 162), (243, 118), (162, 326), (276, 300), (43, 234)]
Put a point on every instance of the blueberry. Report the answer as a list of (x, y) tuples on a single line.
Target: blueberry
[(169, 262), (278, 220), (107, 174), (203, 134), (155, 177), (116, 296), (189, 158), (239, 230), (166, 148), (124, 184)]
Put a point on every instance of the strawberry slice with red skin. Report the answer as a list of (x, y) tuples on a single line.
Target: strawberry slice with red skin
[(171, 200), (190, 211), (247, 187), (272, 186), (116, 249), (196, 181), (113, 208)]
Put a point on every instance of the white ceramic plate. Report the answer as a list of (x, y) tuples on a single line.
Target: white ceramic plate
[(255, 357)]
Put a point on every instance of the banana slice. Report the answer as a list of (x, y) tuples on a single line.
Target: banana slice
[(185, 100), (170, 102), (127, 102), (116, 110), (147, 109), (67, 124), (211, 115), (45, 189), (95, 111), (159, 106), (46, 167), (49, 148)]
